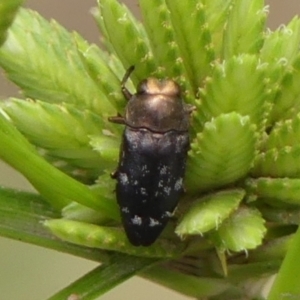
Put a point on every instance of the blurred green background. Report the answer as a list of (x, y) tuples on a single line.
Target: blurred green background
[(32, 273)]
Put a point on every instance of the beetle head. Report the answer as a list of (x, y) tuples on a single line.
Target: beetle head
[(158, 106)]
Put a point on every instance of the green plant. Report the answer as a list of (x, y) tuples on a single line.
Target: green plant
[(237, 222)]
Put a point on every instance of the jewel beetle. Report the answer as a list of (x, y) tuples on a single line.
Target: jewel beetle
[(152, 158)]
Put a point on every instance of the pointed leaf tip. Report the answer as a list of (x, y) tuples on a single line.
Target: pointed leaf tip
[(8, 10)]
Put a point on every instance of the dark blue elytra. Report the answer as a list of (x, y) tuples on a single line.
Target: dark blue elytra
[(152, 157)]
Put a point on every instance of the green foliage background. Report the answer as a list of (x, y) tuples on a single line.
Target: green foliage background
[(239, 217)]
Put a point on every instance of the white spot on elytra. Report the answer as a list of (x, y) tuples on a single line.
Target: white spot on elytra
[(153, 222), (167, 214), (124, 178), (136, 220), (178, 184), (134, 145), (144, 170), (135, 182), (125, 210), (161, 183), (163, 170), (167, 190), (144, 191)]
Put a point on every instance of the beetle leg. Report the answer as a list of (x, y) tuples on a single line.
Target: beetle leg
[(124, 90), (117, 119), (114, 174), (126, 93)]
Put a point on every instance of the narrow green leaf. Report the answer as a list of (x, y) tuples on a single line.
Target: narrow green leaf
[(128, 38), (287, 280), (275, 189), (104, 278), (109, 238), (8, 10), (222, 153), (14, 148), (284, 162), (245, 28), (15, 205), (190, 285), (56, 187), (248, 97), (41, 47), (209, 212), (193, 39), (243, 230), (21, 217)]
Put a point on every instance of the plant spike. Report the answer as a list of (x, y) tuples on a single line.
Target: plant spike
[(38, 58), (216, 13), (244, 29), (161, 36), (97, 63), (286, 102), (284, 162), (8, 10), (282, 44), (109, 238), (274, 190), (222, 153), (196, 50), (35, 118), (128, 38), (248, 97)]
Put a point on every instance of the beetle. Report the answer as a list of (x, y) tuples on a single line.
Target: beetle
[(152, 158)]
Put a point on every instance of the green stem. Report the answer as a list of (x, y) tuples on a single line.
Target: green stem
[(21, 216), (104, 278), (193, 286)]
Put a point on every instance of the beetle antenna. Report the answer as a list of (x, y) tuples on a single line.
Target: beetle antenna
[(124, 90)]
